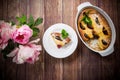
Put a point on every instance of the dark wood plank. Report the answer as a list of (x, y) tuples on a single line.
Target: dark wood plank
[(70, 64), (10, 11), (89, 60), (2, 63), (1, 10), (53, 14), (109, 62), (79, 48), (117, 20), (36, 71), (4, 9), (84, 53), (21, 69)]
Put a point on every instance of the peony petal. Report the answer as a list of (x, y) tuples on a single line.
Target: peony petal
[(26, 53), (35, 41), (30, 60), (13, 53), (15, 59), (0, 41), (5, 31), (5, 34), (22, 35), (36, 47), (3, 45)]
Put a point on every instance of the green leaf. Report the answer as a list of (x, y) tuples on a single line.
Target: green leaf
[(22, 20), (30, 21), (38, 21), (86, 19), (64, 34), (35, 32)]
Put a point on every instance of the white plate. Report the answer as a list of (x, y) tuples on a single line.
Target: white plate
[(51, 47)]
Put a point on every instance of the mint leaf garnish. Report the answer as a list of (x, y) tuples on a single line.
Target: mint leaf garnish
[(64, 34), (87, 19)]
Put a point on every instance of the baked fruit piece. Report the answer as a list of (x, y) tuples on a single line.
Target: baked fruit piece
[(94, 29), (60, 42)]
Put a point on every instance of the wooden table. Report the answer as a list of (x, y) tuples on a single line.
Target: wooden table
[(83, 64)]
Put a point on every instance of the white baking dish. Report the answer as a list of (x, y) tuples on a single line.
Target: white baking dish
[(110, 49)]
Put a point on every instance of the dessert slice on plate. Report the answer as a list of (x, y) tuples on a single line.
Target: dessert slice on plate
[(61, 39)]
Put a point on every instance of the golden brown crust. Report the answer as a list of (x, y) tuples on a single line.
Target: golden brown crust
[(100, 29)]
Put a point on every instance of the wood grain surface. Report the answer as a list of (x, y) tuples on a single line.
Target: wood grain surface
[(83, 64)]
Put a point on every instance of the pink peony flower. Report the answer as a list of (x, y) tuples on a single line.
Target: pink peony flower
[(27, 53), (22, 35), (5, 34)]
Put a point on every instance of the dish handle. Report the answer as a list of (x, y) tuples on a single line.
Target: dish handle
[(107, 52), (83, 5)]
